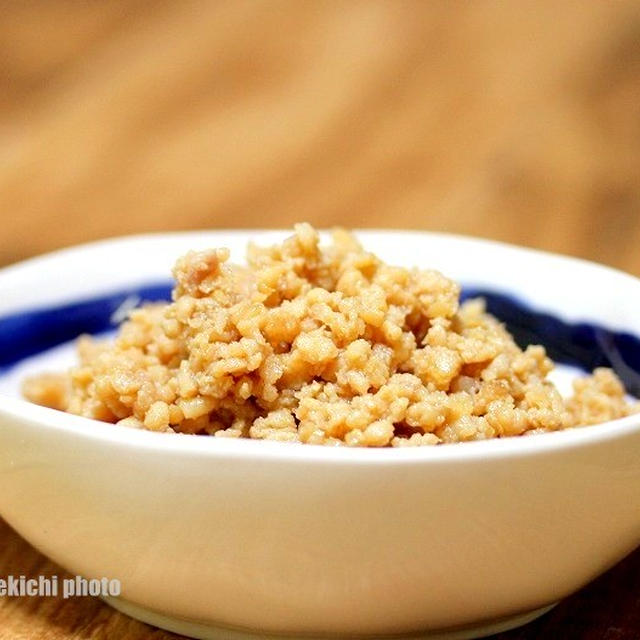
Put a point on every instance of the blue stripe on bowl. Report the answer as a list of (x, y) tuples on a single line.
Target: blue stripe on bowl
[(28, 332), (583, 345)]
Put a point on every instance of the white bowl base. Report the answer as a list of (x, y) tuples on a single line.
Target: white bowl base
[(202, 631)]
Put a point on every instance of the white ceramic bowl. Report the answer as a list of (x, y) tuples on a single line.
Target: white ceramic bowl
[(218, 538)]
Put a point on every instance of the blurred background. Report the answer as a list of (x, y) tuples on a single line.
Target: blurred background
[(518, 121)]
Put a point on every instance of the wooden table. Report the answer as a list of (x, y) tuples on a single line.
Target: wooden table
[(514, 121)]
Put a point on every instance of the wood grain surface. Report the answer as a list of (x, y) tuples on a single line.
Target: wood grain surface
[(518, 121)]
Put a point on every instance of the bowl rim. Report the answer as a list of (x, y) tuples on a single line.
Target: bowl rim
[(113, 435), (25, 268), (278, 233)]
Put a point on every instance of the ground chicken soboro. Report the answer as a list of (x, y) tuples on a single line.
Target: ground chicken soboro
[(323, 346)]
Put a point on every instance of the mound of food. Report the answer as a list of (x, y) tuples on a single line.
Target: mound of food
[(321, 345)]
